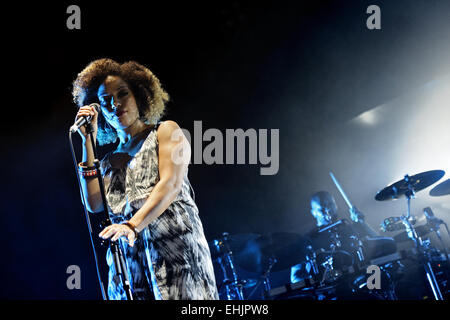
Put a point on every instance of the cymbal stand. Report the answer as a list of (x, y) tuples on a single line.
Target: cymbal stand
[(412, 234)]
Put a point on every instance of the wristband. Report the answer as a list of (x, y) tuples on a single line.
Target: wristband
[(81, 166), (132, 227)]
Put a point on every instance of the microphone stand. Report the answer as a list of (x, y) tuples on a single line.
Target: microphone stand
[(116, 250)]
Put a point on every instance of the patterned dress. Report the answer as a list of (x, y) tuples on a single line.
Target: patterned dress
[(170, 258)]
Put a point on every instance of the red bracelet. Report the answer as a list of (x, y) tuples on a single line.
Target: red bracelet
[(87, 172)]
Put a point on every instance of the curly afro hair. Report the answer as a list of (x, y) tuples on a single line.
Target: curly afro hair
[(150, 96)]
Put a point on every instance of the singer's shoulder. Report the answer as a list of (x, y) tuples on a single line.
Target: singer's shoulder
[(167, 125), (166, 129)]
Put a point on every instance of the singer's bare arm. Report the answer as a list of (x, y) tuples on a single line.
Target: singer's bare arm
[(91, 188), (172, 169)]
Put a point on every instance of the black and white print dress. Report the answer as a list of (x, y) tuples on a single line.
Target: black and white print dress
[(170, 258)]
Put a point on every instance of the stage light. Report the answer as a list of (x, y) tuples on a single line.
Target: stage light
[(370, 117)]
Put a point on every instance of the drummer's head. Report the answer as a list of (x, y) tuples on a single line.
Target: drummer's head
[(323, 208)]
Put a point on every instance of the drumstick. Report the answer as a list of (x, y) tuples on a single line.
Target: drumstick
[(341, 190)]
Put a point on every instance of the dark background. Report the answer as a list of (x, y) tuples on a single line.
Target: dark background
[(307, 68)]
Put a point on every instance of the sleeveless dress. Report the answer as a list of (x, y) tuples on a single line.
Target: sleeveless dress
[(170, 258)]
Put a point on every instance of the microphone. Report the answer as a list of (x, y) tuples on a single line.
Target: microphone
[(83, 120)]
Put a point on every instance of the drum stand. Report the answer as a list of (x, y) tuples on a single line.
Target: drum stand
[(233, 285), (330, 272), (421, 248), (272, 261), (435, 226), (265, 278)]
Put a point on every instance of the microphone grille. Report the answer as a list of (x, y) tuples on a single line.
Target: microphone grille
[(96, 106)]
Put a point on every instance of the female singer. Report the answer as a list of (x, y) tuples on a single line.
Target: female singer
[(150, 200)]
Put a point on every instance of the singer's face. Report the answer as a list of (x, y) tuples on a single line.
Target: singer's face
[(118, 103)]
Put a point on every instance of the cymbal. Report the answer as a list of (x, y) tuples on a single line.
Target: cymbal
[(416, 182), (421, 231), (442, 189), (287, 248), (235, 242)]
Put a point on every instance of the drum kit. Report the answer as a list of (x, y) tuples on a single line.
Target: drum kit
[(339, 271)]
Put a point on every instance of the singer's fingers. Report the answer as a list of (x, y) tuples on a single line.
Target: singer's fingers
[(119, 233), (86, 108), (107, 230), (85, 112), (94, 113), (131, 239), (88, 111), (110, 232)]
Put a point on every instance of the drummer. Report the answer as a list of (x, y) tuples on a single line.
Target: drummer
[(324, 210)]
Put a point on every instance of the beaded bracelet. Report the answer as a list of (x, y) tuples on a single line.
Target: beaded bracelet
[(87, 172)]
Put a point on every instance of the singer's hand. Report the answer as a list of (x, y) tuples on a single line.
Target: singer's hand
[(118, 230), (87, 111)]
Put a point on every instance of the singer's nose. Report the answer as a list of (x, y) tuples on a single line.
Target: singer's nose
[(115, 104)]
